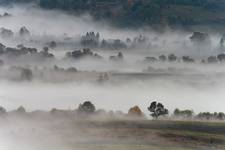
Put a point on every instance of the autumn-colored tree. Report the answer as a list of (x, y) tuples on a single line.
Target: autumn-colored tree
[(135, 112)]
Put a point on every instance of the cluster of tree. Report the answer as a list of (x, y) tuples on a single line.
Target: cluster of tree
[(117, 58), (169, 58), (52, 44), (5, 15), (216, 59), (24, 32), (60, 69), (93, 40), (113, 44), (78, 54), (19, 111), (7, 33), (24, 51), (44, 54), (183, 113), (103, 77), (199, 37), (220, 58), (189, 114), (211, 116), (20, 73)]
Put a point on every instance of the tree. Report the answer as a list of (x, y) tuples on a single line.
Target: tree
[(21, 110), (198, 37), (172, 58), (87, 107), (120, 55), (26, 74), (157, 109), (162, 58), (1, 63), (2, 110), (24, 31), (187, 59), (183, 113), (221, 116), (135, 112), (212, 59), (221, 57)]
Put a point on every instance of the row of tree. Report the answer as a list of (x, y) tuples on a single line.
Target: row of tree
[(186, 59), (156, 110), (94, 40)]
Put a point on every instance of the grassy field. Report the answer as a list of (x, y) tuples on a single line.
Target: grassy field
[(146, 135), (69, 134)]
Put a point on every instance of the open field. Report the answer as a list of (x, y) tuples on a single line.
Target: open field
[(119, 135)]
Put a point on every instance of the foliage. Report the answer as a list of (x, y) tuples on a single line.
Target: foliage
[(211, 116), (86, 107), (183, 113), (2, 110), (26, 74), (157, 109), (135, 112), (21, 110)]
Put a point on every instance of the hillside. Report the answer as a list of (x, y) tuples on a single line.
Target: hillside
[(147, 12), (136, 13)]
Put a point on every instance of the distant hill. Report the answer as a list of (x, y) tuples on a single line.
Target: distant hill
[(144, 12), (147, 12), (6, 2)]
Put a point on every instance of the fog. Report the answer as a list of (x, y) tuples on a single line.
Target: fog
[(45, 28), (203, 93), (42, 70), (193, 93)]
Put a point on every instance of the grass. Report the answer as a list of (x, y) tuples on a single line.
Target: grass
[(69, 134), (152, 135)]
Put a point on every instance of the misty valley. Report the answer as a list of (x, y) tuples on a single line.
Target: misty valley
[(72, 79)]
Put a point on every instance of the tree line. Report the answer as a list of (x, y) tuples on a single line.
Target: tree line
[(156, 109)]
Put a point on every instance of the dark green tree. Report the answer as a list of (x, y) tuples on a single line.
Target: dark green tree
[(157, 109), (87, 107)]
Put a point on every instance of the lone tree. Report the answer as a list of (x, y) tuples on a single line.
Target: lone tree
[(86, 107), (157, 109)]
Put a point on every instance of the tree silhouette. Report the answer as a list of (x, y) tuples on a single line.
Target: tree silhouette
[(2, 110), (157, 109), (86, 107)]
